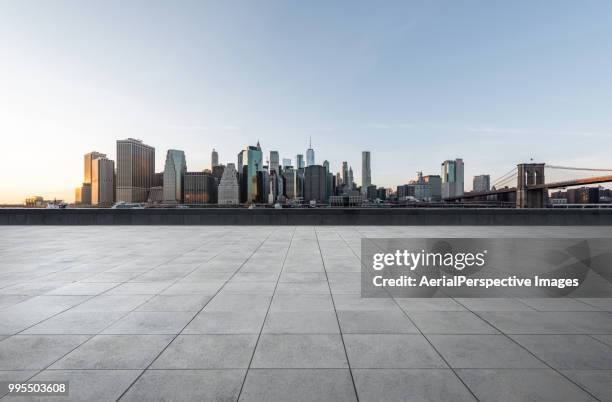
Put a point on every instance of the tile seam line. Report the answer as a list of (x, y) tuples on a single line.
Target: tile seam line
[(267, 313), (348, 362)]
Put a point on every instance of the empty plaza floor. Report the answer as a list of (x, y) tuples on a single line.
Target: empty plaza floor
[(264, 313)]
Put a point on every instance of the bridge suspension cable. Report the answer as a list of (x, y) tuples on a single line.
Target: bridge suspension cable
[(578, 168), (506, 177)]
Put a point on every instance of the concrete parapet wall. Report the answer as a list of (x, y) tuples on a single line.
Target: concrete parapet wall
[(306, 216)]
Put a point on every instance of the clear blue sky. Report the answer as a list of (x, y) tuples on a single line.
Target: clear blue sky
[(414, 82)]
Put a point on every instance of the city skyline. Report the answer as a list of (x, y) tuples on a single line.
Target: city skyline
[(415, 83)]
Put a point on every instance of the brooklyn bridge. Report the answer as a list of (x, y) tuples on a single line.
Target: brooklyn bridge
[(527, 184)]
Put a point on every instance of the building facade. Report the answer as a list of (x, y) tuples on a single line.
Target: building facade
[(274, 162), (315, 184), (452, 178), (103, 182), (135, 170), (229, 191), (366, 171), (252, 163), (310, 155), (214, 159), (199, 188), (174, 170), (481, 183)]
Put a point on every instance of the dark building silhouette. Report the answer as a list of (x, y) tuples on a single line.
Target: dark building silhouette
[(315, 184), (200, 188)]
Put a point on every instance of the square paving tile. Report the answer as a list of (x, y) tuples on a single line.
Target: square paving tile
[(31, 352), (191, 302), (391, 351), (483, 351), (410, 385), (70, 322), (226, 322), (186, 385), (450, 322), (301, 322), (86, 385), (115, 352), (523, 385), (108, 303), (375, 322), (145, 322), (299, 351), (298, 385), (597, 382), (207, 352), (568, 351)]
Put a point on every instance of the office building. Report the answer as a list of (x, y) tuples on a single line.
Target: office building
[(286, 162), (315, 184), (214, 160), (229, 190), (174, 170), (252, 163), (366, 171), (345, 178), (371, 192), (350, 179), (299, 161), (310, 155), (292, 183), (435, 187), (88, 160), (452, 178), (481, 183), (102, 182), (199, 188), (274, 162), (135, 170)]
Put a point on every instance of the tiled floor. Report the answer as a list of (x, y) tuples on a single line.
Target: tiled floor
[(275, 314)]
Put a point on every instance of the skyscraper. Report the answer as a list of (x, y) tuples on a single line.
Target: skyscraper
[(174, 171), (229, 191), (286, 162), (350, 178), (199, 188), (315, 184), (452, 178), (345, 175), (252, 162), (310, 155), (274, 166), (135, 170), (326, 165), (102, 182), (481, 183), (366, 171), (88, 165), (299, 161), (214, 159)]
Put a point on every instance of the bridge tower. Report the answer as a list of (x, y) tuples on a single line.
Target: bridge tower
[(530, 174)]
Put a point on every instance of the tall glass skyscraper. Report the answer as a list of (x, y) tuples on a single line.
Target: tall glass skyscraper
[(274, 161), (310, 155), (214, 159), (366, 171), (299, 161), (452, 178), (252, 162), (174, 172)]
